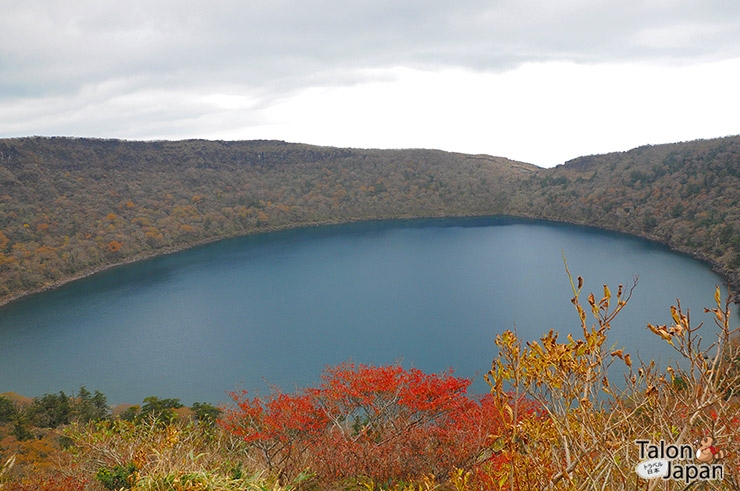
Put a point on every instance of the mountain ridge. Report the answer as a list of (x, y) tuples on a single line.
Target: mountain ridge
[(72, 206)]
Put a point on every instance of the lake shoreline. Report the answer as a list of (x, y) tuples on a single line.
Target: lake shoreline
[(732, 278), (275, 309)]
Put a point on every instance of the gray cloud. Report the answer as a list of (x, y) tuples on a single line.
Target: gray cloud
[(57, 47), (273, 68)]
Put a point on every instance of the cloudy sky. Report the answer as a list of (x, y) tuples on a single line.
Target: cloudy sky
[(541, 81)]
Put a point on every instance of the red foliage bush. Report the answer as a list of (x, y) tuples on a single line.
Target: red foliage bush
[(386, 423)]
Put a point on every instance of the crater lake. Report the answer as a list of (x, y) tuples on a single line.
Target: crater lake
[(276, 308)]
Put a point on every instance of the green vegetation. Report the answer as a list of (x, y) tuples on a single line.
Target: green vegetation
[(60, 442), (205, 413), (117, 477), (8, 411)]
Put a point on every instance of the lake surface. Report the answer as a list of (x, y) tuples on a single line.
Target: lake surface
[(275, 309)]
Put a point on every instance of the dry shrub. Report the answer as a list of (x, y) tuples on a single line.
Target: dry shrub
[(157, 451), (588, 440)]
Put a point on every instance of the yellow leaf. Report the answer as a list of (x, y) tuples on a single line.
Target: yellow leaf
[(716, 297), (509, 411), (664, 334), (674, 314), (607, 293)]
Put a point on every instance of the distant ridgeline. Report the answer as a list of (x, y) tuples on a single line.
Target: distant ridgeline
[(69, 206)]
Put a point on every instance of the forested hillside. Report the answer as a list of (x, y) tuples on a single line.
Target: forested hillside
[(71, 206), (686, 195)]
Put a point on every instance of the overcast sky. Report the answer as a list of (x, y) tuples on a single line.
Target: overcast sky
[(541, 81)]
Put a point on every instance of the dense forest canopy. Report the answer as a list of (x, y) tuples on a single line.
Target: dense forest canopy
[(70, 206), (686, 195)]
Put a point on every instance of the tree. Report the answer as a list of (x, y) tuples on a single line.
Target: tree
[(20, 430), (159, 408), (51, 410), (90, 407), (131, 413), (205, 413), (588, 440), (387, 423), (8, 410)]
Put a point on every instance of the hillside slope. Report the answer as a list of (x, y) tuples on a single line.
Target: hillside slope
[(686, 195), (71, 206)]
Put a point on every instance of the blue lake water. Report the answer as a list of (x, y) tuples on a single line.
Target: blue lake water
[(276, 308)]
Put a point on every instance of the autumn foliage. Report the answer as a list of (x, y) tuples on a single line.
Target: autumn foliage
[(600, 400), (385, 423), (564, 413), (63, 201)]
